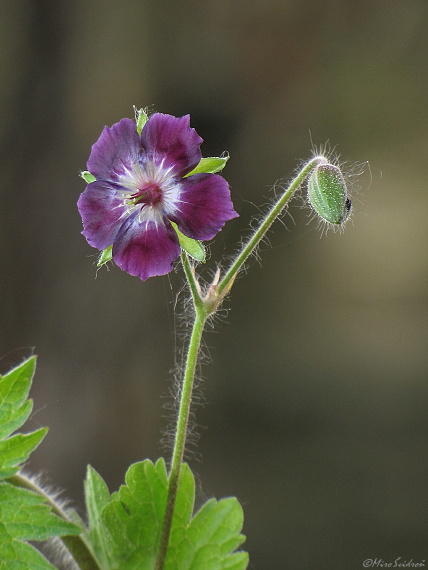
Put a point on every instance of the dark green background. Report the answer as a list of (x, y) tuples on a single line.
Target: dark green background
[(315, 400)]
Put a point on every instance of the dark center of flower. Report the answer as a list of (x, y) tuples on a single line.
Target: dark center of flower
[(149, 195)]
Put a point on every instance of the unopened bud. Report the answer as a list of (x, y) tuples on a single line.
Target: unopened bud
[(327, 194)]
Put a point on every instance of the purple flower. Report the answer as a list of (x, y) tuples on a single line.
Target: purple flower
[(141, 186)]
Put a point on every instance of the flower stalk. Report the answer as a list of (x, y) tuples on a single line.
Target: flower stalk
[(204, 305), (201, 315), (228, 278)]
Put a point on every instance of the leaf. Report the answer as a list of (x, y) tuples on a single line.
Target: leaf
[(24, 515), (125, 528), (87, 176), (14, 410), (208, 540), (106, 256), (97, 497), (193, 247), (210, 165)]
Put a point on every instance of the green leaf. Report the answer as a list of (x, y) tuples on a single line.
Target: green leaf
[(208, 540), (14, 410), (210, 165), (106, 256), (141, 119), (97, 496), (125, 528), (15, 555), (87, 176), (25, 516), (193, 247)]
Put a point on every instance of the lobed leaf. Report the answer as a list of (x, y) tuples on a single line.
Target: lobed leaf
[(125, 528), (208, 540), (24, 515), (14, 410)]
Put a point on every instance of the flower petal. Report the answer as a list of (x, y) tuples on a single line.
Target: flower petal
[(146, 249), (170, 140), (100, 208), (204, 206), (115, 151)]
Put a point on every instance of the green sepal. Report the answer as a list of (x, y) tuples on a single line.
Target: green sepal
[(328, 195), (87, 176), (141, 119), (210, 165), (192, 246), (106, 256)]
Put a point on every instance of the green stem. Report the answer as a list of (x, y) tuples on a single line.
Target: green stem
[(75, 544), (260, 232), (181, 429)]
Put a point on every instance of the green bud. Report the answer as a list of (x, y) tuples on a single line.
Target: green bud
[(327, 194)]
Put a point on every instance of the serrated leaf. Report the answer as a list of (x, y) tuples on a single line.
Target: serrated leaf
[(28, 517), (134, 515), (14, 389), (209, 540), (87, 176), (131, 522), (25, 516), (14, 410), (210, 165), (16, 555), (193, 247), (16, 449), (106, 256)]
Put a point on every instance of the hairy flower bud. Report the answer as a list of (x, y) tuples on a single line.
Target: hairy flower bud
[(328, 195)]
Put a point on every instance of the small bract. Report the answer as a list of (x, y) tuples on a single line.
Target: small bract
[(328, 195)]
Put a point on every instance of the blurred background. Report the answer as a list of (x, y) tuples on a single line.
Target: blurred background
[(315, 391)]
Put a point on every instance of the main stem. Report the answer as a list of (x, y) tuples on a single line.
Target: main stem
[(181, 429)]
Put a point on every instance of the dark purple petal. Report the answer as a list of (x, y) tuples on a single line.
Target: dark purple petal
[(171, 140), (146, 249), (101, 210), (204, 206), (117, 148)]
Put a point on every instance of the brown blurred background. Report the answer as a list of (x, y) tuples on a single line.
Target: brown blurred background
[(315, 407)]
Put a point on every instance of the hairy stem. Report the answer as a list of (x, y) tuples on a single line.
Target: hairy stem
[(260, 232), (181, 429), (75, 544)]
